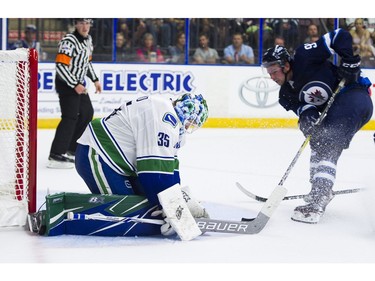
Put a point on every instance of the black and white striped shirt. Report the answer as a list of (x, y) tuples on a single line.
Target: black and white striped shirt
[(73, 60)]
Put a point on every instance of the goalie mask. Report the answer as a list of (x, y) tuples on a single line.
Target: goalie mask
[(192, 111)]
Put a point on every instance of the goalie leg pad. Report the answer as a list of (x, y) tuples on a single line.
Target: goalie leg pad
[(178, 214), (55, 221)]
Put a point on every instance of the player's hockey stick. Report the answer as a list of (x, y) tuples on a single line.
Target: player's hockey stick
[(279, 192), (292, 197), (250, 226)]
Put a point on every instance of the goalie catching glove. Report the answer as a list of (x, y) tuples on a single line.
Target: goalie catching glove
[(195, 207), (166, 229)]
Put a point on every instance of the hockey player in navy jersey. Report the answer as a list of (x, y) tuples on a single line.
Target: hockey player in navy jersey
[(307, 81)]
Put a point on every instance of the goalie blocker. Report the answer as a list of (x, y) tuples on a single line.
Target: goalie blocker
[(98, 215)]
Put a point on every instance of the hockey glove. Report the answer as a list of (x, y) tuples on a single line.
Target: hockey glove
[(349, 69), (195, 207), (166, 229), (307, 121)]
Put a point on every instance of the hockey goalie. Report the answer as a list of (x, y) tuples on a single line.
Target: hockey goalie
[(129, 162)]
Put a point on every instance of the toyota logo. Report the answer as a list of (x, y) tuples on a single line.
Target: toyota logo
[(260, 92)]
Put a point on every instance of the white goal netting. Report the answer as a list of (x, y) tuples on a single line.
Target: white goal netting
[(15, 145)]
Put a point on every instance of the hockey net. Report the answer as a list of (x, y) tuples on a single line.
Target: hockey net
[(18, 119)]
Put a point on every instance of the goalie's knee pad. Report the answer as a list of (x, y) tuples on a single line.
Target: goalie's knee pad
[(195, 207)]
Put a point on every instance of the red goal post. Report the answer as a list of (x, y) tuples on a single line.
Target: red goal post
[(18, 134)]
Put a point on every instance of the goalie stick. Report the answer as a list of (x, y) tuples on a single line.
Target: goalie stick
[(77, 216), (248, 226), (291, 197)]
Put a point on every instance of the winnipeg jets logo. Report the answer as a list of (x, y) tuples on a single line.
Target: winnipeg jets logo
[(315, 92), (315, 96)]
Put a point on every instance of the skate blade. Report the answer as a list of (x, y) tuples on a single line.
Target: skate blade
[(52, 164), (312, 218), (32, 223)]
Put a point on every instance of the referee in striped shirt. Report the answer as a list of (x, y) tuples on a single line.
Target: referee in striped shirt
[(73, 64)]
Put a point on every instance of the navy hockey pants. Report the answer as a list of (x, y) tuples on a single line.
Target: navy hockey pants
[(349, 112)]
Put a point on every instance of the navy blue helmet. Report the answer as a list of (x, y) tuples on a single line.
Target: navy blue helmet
[(277, 54)]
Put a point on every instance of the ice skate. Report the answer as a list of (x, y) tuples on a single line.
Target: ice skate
[(71, 155), (314, 210), (36, 222), (309, 197), (60, 161)]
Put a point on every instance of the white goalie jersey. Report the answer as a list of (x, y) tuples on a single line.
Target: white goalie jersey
[(141, 137)]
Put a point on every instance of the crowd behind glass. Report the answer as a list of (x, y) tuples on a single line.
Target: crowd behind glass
[(194, 40)]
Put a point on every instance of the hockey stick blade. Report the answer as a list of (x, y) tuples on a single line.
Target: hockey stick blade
[(246, 226), (292, 197)]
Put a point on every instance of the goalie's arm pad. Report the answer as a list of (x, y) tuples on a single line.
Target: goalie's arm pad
[(154, 183)]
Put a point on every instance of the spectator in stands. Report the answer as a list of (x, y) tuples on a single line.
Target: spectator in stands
[(207, 27), (166, 30), (122, 48), (252, 33), (204, 54), (223, 37), (330, 24), (362, 42), (312, 34), (279, 40), (202, 26), (177, 52), (138, 28), (123, 27), (373, 35), (29, 40), (163, 30), (287, 28), (237, 26), (237, 52), (149, 52)]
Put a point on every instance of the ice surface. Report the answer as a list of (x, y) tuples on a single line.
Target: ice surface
[(211, 162)]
